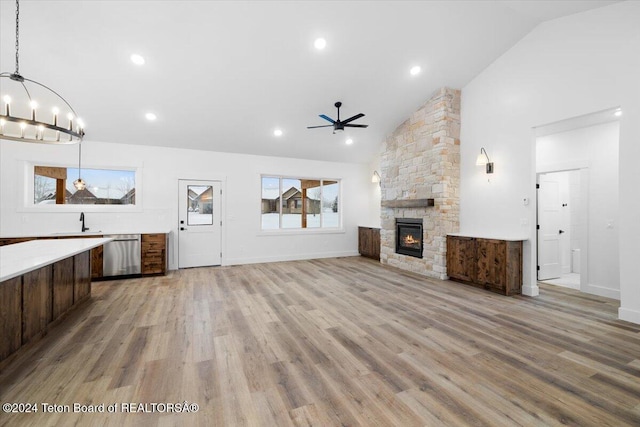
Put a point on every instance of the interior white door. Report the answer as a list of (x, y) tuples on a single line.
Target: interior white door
[(549, 221), (200, 227)]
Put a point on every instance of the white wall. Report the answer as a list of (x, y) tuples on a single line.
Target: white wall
[(564, 68), (243, 241), (596, 147)]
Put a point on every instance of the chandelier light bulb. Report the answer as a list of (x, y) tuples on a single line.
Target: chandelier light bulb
[(32, 129)]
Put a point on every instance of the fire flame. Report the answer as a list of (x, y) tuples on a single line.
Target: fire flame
[(410, 240)]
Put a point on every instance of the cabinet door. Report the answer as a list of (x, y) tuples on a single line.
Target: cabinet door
[(492, 261), (82, 276), (154, 253), (10, 316), (369, 242), (62, 286), (97, 263), (461, 258), (36, 302)]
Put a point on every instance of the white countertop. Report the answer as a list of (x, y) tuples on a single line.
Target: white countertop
[(87, 233), (21, 258), (509, 238)]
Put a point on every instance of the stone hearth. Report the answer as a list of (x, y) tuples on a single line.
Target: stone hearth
[(420, 161)]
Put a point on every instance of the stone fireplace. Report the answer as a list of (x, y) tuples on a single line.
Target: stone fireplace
[(420, 171)]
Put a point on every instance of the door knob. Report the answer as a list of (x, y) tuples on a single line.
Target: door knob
[(560, 231)]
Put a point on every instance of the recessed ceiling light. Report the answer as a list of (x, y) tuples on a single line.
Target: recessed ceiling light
[(137, 59), (415, 70), (150, 116), (349, 141), (320, 43), (618, 112), (277, 132)]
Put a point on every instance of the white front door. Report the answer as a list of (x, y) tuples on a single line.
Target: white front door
[(200, 227), (549, 221)]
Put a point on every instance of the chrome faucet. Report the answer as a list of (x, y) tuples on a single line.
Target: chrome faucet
[(82, 219)]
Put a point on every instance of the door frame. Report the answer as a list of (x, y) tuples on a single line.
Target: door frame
[(223, 216), (583, 167)]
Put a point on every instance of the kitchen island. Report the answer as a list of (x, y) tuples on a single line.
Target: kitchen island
[(40, 281)]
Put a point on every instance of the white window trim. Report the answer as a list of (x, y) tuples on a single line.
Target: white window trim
[(299, 231), (27, 189)]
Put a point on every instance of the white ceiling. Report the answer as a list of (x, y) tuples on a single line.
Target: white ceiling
[(221, 76)]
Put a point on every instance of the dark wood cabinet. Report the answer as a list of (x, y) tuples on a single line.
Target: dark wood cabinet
[(461, 258), (10, 316), (62, 286), (32, 303), (82, 276), (36, 302), (492, 264), (369, 242), (97, 264), (154, 254)]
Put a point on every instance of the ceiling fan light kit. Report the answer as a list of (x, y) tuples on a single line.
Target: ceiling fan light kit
[(339, 125)]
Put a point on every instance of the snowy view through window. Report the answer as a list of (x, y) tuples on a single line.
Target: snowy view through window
[(103, 186), (200, 205), (299, 203)]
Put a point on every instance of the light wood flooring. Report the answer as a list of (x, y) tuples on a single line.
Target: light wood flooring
[(332, 342)]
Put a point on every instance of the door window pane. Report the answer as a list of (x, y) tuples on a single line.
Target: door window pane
[(199, 205)]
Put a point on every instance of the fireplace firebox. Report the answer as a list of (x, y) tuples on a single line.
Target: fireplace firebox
[(409, 237)]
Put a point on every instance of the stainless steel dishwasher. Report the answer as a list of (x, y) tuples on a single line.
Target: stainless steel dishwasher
[(121, 256)]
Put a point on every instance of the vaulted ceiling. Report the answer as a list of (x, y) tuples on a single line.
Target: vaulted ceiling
[(223, 75)]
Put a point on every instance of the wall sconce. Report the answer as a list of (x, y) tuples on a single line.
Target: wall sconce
[(375, 178), (483, 159)]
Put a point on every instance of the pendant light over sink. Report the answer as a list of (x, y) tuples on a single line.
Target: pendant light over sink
[(21, 117), (79, 183)]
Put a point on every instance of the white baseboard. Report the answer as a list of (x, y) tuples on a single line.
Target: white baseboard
[(292, 257), (602, 291), (629, 315), (531, 290)]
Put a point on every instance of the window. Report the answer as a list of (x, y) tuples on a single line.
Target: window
[(294, 203), (53, 185)]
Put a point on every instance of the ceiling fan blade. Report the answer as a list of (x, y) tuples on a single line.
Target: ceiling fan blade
[(350, 119), (355, 126), (327, 118), (323, 126)]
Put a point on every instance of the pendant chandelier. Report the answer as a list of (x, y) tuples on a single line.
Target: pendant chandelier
[(20, 119)]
